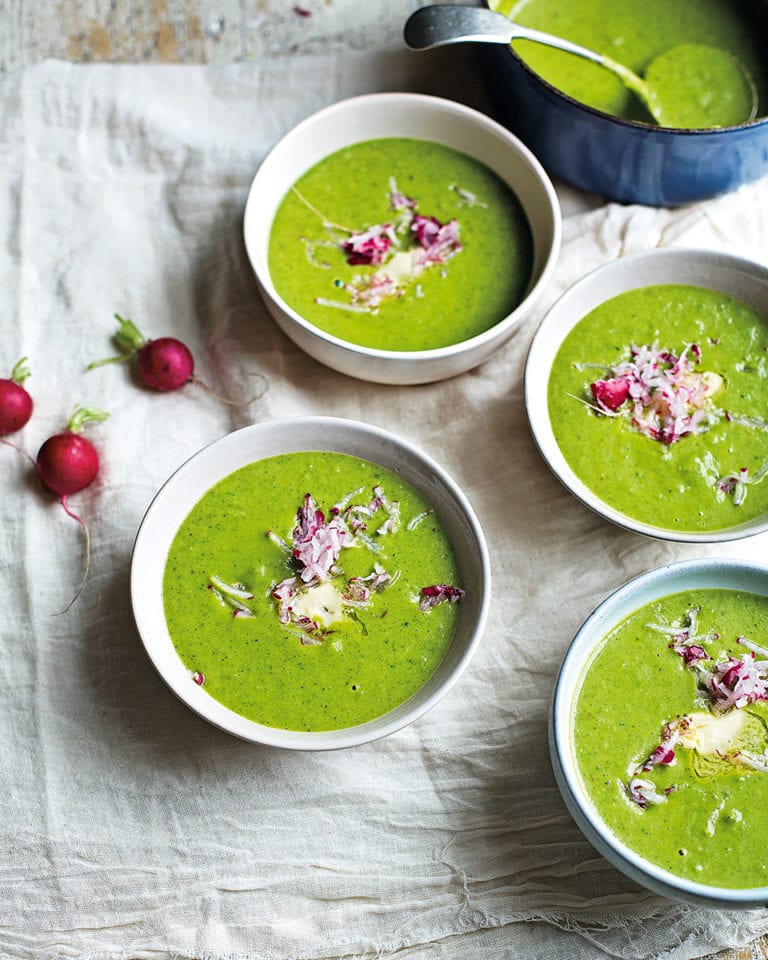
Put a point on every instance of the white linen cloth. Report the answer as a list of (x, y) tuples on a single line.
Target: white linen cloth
[(129, 827)]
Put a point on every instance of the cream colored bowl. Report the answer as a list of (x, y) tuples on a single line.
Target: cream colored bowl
[(420, 117), (687, 575), (187, 485), (742, 279)]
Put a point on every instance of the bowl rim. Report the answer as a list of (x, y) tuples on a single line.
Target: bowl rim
[(542, 347), (656, 583), (623, 121), (300, 432), (428, 102)]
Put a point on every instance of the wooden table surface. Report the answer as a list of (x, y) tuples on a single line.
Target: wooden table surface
[(208, 31), (193, 31)]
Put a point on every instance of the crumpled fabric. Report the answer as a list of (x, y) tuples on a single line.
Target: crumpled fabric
[(131, 828)]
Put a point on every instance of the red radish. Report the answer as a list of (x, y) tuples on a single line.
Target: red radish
[(164, 364), (15, 403), (68, 463)]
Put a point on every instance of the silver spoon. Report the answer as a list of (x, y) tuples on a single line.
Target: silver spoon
[(441, 24)]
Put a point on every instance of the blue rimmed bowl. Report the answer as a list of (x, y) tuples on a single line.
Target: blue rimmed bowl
[(686, 575)]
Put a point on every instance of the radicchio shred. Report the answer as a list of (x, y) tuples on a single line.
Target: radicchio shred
[(666, 397), (315, 547), (731, 683), (401, 249), (439, 593), (313, 551)]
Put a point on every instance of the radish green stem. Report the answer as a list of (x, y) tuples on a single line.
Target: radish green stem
[(20, 373), (85, 415), (128, 339)]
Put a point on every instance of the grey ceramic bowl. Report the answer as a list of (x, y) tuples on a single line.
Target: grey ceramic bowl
[(734, 276), (420, 117), (623, 160), (194, 478), (658, 583)]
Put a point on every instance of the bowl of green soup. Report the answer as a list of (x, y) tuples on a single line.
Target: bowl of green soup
[(311, 583), (659, 730), (645, 393), (588, 129), (401, 238)]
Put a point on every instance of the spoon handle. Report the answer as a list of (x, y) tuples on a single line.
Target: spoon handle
[(559, 43), (444, 23)]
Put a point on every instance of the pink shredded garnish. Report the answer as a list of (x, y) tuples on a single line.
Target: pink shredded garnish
[(309, 519), (690, 652), (317, 544), (391, 508), (610, 394), (357, 594), (731, 683), (754, 647), (285, 592), (735, 485), (397, 200), (439, 240), (736, 682), (664, 753), (319, 552), (232, 595), (278, 541), (371, 293), (242, 613), (198, 678), (400, 250), (642, 792), (308, 640), (667, 398), (315, 549), (369, 247), (359, 589), (439, 593), (234, 590)]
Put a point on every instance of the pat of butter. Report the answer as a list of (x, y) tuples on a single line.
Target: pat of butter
[(402, 266), (321, 603), (710, 734), (712, 382)]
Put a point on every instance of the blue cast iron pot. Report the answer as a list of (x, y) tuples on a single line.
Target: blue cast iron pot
[(623, 160)]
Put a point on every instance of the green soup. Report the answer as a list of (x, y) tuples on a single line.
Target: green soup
[(634, 34), (310, 612), (671, 746), (708, 477), (401, 244)]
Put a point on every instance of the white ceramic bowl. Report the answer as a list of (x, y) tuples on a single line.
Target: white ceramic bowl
[(743, 279), (421, 117), (663, 581), (188, 484)]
